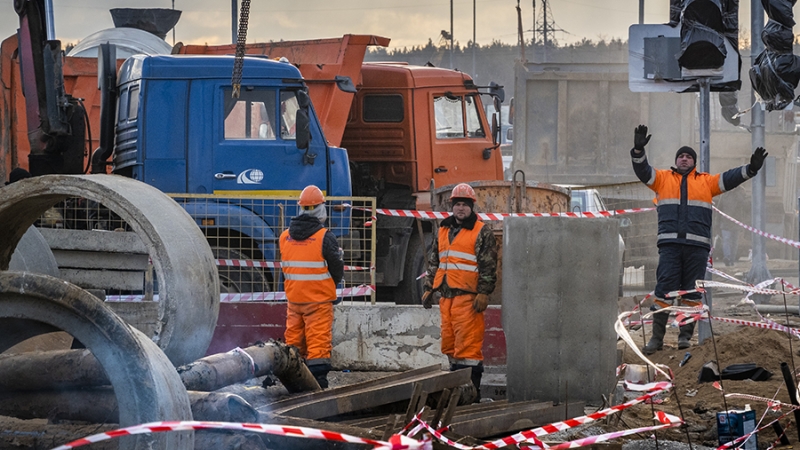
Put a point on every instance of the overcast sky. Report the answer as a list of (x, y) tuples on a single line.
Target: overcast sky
[(406, 22)]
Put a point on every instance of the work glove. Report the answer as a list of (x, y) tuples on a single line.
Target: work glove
[(481, 303), (757, 161), (640, 137), (427, 299)]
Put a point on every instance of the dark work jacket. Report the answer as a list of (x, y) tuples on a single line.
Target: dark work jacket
[(304, 226), (684, 201)]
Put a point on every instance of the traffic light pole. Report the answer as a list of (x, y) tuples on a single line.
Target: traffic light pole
[(704, 328), (758, 267)]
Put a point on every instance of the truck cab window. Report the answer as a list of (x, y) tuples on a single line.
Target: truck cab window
[(451, 110), (251, 116), (474, 128), (133, 103), (289, 109), (383, 108)]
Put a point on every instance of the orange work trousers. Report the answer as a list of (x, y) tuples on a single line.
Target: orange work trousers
[(462, 330), (309, 327)]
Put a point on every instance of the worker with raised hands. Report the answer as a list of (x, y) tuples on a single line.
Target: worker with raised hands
[(683, 201)]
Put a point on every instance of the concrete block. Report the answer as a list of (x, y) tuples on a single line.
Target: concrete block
[(559, 307), (386, 337)]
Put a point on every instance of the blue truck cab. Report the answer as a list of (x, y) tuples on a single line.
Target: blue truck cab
[(178, 128)]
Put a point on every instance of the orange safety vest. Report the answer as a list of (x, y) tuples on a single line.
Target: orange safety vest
[(305, 271), (457, 259)]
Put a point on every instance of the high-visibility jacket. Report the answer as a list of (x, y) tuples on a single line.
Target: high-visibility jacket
[(305, 271), (457, 259), (684, 201)]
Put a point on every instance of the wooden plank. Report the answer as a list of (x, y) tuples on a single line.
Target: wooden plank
[(372, 396), (93, 240), (100, 260), (342, 390), (104, 279), (141, 315), (516, 419)]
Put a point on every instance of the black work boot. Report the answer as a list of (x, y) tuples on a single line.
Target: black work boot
[(320, 372), (656, 342), (685, 335), (477, 372)]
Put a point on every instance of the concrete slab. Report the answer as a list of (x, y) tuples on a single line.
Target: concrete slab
[(559, 307)]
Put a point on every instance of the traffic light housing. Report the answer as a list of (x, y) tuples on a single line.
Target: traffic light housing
[(705, 24), (776, 71)]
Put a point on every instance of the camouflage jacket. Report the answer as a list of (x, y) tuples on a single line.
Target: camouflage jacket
[(485, 251)]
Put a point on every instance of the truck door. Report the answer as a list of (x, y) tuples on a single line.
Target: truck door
[(257, 151), (459, 140)]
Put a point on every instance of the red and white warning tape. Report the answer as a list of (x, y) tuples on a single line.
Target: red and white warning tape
[(267, 264), (500, 216), (745, 288), (532, 437), (396, 442), (652, 389), (759, 232), (357, 291)]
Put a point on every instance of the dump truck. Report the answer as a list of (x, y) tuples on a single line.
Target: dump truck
[(406, 129)]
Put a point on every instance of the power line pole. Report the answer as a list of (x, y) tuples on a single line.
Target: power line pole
[(451, 34), (474, 26), (546, 26)]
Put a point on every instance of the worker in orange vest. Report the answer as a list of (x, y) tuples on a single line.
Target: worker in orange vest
[(312, 265), (462, 266)]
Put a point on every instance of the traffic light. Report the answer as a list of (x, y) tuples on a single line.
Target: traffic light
[(776, 71), (705, 24)]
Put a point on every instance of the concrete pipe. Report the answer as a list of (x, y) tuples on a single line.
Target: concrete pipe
[(184, 265), (146, 385), (33, 255)]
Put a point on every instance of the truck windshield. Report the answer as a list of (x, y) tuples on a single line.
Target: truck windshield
[(457, 117), (251, 116)]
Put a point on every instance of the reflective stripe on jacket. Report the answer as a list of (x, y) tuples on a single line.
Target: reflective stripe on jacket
[(684, 201), (457, 259), (305, 271)]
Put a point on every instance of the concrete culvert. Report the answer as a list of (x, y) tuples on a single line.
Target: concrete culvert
[(184, 265), (146, 385)]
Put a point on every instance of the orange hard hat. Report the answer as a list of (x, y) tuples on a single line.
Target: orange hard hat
[(311, 196), (463, 190)]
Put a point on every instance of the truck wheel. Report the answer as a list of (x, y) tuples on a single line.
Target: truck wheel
[(409, 291), (237, 279)]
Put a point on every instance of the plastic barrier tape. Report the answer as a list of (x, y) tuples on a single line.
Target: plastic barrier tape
[(500, 216), (396, 442), (267, 264), (357, 291)]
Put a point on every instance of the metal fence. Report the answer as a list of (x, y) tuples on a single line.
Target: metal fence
[(243, 232)]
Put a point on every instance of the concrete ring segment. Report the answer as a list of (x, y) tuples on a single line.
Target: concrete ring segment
[(183, 262), (34, 255), (146, 385)]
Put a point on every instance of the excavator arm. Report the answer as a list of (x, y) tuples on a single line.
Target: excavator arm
[(56, 121)]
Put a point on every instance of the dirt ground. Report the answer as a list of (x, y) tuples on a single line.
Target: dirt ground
[(699, 402), (696, 402)]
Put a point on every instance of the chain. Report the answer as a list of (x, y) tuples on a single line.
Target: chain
[(241, 40)]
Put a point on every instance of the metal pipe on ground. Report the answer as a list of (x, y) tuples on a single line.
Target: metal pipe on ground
[(791, 389), (79, 368), (778, 309), (99, 405)]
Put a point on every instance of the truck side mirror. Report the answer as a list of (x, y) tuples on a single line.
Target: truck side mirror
[(497, 91), (303, 101), (302, 126), (345, 84)]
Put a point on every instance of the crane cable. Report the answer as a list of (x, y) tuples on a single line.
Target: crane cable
[(241, 40)]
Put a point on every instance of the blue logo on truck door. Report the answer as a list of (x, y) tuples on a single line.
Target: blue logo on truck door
[(250, 176)]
